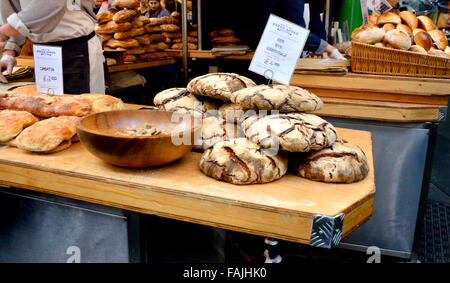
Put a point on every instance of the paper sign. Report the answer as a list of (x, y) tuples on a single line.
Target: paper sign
[(48, 69), (279, 49)]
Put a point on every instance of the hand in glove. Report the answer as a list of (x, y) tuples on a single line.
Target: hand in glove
[(7, 63), (335, 54)]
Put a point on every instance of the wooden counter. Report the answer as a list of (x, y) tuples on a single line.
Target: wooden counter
[(283, 209)]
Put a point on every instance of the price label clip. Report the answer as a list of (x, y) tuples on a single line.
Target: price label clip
[(268, 74)]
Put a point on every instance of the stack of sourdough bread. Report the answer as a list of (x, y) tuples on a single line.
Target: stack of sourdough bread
[(173, 35), (223, 38), (46, 124), (123, 28), (405, 31), (244, 143)]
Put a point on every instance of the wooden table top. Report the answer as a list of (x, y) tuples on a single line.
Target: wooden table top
[(283, 209)]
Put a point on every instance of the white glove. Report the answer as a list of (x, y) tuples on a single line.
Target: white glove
[(7, 63), (335, 54)]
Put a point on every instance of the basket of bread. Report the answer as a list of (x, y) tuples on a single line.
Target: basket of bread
[(400, 44)]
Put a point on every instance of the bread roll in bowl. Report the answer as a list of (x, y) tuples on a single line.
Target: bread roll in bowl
[(447, 50), (417, 30), (409, 19), (389, 18), (398, 39), (426, 23), (418, 49), (423, 39), (439, 39), (369, 35), (404, 28)]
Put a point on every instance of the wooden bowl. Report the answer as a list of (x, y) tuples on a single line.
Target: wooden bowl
[(98, 133)]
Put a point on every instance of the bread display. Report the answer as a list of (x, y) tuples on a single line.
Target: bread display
[(218, 85), (44, 105), (278, 97), (343, 162), (241, 162), (12, 123)]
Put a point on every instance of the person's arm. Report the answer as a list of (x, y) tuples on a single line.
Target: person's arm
[(35, 18)]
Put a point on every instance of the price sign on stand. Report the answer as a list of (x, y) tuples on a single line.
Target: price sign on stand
[(279, 49), (48, 69)]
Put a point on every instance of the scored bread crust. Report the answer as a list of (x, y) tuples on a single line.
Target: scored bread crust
[(47, 135), (277, 97), (219, 85), (241, 162)]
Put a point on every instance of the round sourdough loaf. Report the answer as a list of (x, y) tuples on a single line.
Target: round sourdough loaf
[(241, 162)]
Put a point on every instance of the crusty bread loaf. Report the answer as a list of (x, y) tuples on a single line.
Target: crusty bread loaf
[(190, 40), (193, 33), (106, 37), (152, 56), (398, 39), (179, 46), (404, 28), (136, 50), (47, 135), (112, 27), (130, 4), (439, 39), (418, 49), (223, 39), (106, 16), (102, 102), (12, 122), (125, 15), (388, 27), (172, 34), (389, 18), (447, 50), (439, 53), (45, 105), (152, 29), (125, 43), (369, 35), (129, 33), (423, 39), (425, 22), (170, 28), (409, 19), (128, 58)]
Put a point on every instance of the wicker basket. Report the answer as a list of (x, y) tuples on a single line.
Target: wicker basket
[(369, 59)]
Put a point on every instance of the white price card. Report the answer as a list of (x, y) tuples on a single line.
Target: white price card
[(279, 49), (48, 69)]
